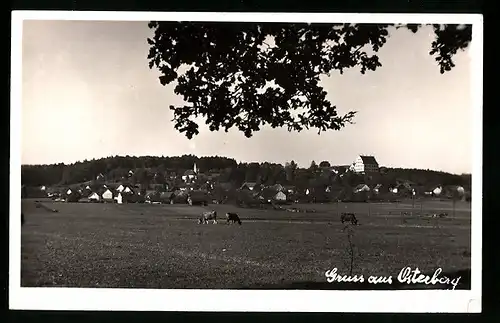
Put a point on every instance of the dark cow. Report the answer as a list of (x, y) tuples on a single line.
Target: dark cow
[(22, 218), (349, 217), (233, 218), (207, 216), (441, 215)]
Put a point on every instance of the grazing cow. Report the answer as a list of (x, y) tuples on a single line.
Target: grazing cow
[(22, 218), (349, 217), (207, 216), (233, 217)]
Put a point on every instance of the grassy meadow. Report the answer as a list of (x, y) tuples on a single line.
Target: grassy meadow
[(162, 246)]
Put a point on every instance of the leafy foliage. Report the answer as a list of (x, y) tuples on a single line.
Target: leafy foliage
[(247, 75)]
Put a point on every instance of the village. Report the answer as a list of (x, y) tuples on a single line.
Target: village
[(195, 186)]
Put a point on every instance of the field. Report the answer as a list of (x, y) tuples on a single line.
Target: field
[(162, 246)]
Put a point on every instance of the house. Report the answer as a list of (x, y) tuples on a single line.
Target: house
[(340, 169), (361, 188), (248, 186), (454, 191), (280, 196), (127, 189), (267, 194), (179, 197), (365, 164), (94, 197), (100, 177), (152, 197), (72, 196), (107, 196), (127, 195), (278, 187), (437, 190), (120, 188), (190, 174), (119, 198)]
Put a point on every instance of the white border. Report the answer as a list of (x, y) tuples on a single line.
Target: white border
[(234, 300)]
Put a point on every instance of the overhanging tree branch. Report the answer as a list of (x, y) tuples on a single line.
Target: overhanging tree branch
[(224, 53)]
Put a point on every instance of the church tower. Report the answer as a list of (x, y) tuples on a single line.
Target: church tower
[(195, 170)]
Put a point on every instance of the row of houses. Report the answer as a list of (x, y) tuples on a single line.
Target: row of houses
[(128, 194), (279, 192)]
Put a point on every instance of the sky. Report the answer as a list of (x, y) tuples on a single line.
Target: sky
[(87, 92)]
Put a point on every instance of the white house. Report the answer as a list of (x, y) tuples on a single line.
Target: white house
[(69, 191), (43, 188), (107, 195), (438, 190), (120, 188), (94, 197), (307, 191), (126, 190), (189, 175), (280, 196), (87, 187), (365, 164)]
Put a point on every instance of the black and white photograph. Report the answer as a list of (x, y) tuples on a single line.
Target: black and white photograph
[(189, 161)]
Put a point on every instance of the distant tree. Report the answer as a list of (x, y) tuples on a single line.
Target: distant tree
[(313, 166), (290, 169), (324, 164), (221, 69)]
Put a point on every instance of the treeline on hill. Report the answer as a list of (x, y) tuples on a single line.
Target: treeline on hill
[(158, 170)]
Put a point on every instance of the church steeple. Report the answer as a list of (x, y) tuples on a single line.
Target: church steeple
[(195, 170)]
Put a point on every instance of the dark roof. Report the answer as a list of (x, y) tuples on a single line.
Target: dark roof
[(153, 196), (249, 184), (268, 193), (151, 192), (189, 172), (369, 160)]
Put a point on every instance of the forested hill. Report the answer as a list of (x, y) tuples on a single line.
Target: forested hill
[(149, 169)]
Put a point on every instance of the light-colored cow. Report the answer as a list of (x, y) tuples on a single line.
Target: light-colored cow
[(207, 216)]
